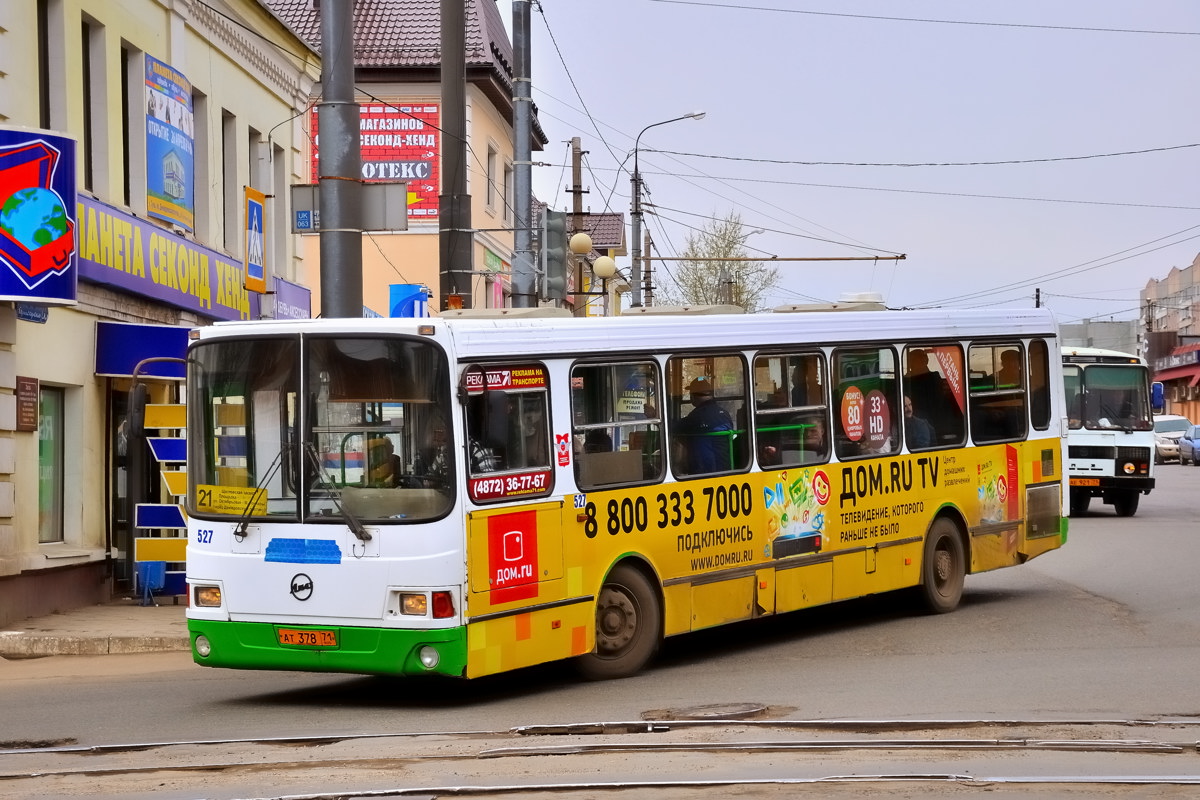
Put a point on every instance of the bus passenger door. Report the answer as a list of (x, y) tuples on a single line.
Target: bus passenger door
[(515, 580)]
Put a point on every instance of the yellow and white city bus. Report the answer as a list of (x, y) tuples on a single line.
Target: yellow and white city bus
[(468, 495)]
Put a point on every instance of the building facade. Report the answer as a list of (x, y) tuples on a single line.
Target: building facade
[(1172, 320), (160, 113), (1124, 336), (397, 66)]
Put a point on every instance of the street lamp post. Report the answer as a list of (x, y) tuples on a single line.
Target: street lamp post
[(635, 211), (604, 268)]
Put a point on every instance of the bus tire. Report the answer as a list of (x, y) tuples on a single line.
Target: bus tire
[(1126, 504), (628, 626), (944, 567), (1079, 503)]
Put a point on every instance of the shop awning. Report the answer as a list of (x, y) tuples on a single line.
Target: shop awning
[(1190, 373), (121, 346)]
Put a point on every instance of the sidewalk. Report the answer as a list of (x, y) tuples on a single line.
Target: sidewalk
[(121, 626)]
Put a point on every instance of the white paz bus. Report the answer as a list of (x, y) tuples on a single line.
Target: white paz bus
[(1110, 430), (468, 495)]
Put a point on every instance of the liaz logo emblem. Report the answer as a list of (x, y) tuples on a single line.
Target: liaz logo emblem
[(302, 587)]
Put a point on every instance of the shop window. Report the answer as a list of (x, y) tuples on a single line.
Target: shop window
[(51, 478)]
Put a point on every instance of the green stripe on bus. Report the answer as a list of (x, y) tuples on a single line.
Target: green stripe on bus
[(365, 651)]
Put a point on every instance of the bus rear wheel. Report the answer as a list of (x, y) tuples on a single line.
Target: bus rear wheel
[(628, 626), (944, 567)]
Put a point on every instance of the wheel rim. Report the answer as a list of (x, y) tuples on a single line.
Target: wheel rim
[(616, 621), (943, 568)]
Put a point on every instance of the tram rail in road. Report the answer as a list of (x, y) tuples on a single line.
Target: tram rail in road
[(672, 758)]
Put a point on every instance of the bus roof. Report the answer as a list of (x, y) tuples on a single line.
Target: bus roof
[(1097, 355), (530, 336)]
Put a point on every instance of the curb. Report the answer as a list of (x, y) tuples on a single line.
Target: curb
[(16, 644)]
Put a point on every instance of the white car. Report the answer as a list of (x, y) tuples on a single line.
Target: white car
[(1167, 430)]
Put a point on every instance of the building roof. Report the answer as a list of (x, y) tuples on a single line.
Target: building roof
[(399, 33), (401, 40), (607, 231)]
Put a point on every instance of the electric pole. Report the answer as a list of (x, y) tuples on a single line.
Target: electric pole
[(577, 261)]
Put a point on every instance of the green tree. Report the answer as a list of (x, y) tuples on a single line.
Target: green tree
[(699, 282)]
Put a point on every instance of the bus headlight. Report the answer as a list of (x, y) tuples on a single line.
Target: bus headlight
[(429, 657), (203, 646), (207, 596), (414, 605), (1130, 468)]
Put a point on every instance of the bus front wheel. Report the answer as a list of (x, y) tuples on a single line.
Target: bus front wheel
[(1126, 504), (628, 626), (944, 567)]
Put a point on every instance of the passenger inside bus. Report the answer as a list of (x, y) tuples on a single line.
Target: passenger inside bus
[(530, 443), (486, 414), (706, 431), (431, 462), (1009, 374), (917, 430), (932, 397), (384, 467), (597, 440)]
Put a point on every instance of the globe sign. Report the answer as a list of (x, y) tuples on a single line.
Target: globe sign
[(34, 217)]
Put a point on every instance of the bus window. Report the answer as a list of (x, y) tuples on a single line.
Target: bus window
[(707, 413), (933, 386), (365, 398), (997, 393), (616, 424), (1039, 384), (529, 437), (508, 434), (865, 402), (242, 404), (790, 410)]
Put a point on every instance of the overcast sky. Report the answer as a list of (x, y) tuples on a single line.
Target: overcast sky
[(894, 97)]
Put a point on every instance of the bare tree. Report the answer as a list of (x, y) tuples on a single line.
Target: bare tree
[(698, 282)]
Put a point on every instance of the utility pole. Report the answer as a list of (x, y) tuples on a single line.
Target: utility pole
[(1037, 298), (524, 277), (339, 166), (577, 261), (456, 244), (647, 271)]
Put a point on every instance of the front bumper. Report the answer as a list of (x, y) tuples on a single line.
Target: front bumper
[(364, 651)]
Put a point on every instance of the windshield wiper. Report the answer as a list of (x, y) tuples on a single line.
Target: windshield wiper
[(336, 495), (243, 523)]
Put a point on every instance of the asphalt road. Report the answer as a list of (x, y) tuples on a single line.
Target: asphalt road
[(1103, 629)]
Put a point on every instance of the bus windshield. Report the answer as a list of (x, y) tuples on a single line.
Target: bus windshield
[(1108, 397), (362, 430)]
